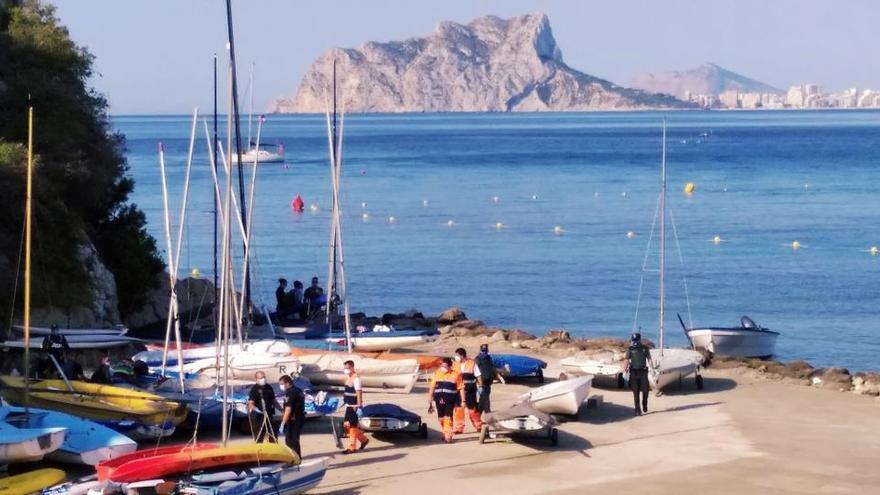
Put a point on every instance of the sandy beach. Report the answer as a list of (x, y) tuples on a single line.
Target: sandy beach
[(741, 434)]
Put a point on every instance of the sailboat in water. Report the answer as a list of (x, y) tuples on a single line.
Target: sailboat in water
[(670, 365)]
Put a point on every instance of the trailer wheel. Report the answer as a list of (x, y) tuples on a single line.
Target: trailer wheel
[(423, 431), (620, 381), (540, 375), (699, 382), (554, 437), (484, 432)]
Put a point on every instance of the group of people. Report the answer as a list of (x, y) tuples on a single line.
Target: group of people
[(298, 302), (460, 388)]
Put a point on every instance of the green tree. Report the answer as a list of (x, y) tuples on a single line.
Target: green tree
[(81, 184)]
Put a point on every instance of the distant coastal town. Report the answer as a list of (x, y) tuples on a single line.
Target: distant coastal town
[(804, 96)]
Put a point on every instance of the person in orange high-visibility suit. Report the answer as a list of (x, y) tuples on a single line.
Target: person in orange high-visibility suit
[(465, 366), (445, 391), (353, 397)]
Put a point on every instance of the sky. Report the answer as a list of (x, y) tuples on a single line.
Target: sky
[(156, 56)]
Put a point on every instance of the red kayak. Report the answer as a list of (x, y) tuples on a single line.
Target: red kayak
[(188, 461), (106, 468)]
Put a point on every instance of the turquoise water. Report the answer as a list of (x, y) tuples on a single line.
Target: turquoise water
[(763, 180)]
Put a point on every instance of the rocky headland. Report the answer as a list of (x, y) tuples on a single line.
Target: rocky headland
[(488, 65)]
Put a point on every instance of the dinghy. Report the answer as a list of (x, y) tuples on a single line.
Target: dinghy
[(242, 366), (519, 420), (25, 444), (197, 353), (562, 397), (391, 418), (386, 340), (118, 330), (176, 464), (672, 366), (326, 369), (272, 479), (32, 482), (134, 413), (602, 372), (86, 442), (748, 340)]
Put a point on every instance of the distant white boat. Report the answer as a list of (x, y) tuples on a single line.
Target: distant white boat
[(748, 340), (261, 155), (562, 397)]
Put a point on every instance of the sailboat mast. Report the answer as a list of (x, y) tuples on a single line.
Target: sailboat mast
[(235, 116), (663, 239), (27, 260), (214, 165), (334, 239)]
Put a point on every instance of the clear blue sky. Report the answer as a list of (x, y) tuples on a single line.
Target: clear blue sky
[(154, 56)]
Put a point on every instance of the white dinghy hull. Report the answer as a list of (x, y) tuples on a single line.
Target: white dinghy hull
[(562, 397), (672, 366)]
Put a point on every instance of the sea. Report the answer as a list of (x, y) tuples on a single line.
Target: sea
[(549, 221)]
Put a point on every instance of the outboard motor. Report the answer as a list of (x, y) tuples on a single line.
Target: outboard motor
[(747, 322)]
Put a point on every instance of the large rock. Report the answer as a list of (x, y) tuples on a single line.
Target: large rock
[(194, 296), (832, 378), (488, 65), (866, 383), (451, 315)]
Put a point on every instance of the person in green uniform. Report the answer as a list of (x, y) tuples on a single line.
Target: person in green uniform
[(638, 361)]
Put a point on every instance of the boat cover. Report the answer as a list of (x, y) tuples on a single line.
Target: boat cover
[(390, 411), (517, 365), (518, 411)]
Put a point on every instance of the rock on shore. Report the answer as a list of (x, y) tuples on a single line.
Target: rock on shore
[(488, 65)]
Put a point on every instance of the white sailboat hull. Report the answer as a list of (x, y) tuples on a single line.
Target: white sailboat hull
[(393, 376), (243, 366), (43, 331), (574, 366), (734, 342), (562, 397), (268, 346), (672, 365), (369, 344)]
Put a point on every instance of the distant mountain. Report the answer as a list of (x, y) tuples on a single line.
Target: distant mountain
[(488, 65), (708, 79)]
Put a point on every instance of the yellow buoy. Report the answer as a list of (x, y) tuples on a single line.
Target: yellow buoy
[(450, 223), (795, 245), (874, 251), (717, 239), (557, 230), (689, 188), (499, 225), (195, 273), (391, 219), (630, 234)]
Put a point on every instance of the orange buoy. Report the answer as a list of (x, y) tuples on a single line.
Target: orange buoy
[(298, 204)]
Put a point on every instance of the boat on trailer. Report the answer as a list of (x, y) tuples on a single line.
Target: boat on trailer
[(561, 397), (603, 373), (748, 340)]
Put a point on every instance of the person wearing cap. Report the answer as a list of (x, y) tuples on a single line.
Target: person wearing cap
[(485, 373), (638, 361)]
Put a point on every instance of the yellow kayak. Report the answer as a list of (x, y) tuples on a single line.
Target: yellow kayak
[(94, 401), (34, 481)]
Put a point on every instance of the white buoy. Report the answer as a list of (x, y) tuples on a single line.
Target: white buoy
[(364, 205), (313, 207), (795, 245), (499, 226), (557, 230), (424, 202), (365, 216), (495, 199), (717, 239), (196, 273), (596, 194), (391, 219), (624, 194), (874, 250), (450, 223), (534, 197), (630, 234)]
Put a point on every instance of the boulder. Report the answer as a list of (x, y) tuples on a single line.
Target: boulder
[(498, 336), (194, 295), (832, 378), (519, 335), (451, 315), (553, 336), (866, 383)]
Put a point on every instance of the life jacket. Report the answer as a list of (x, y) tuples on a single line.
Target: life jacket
[(445, 386), (466, 369), (638, 357), (349, 395)]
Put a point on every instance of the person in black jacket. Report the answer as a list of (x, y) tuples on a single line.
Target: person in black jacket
[(638, 361), (261, 407), (294, 416), (103, 374), (55, 344)]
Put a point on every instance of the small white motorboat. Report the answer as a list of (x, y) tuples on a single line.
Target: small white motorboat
[(673, 365), (260, 155), (748, 340), (388, 339), (118, 330), (86, 442), (602, 372), (392, 376), (562, 397), (25, 444)]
